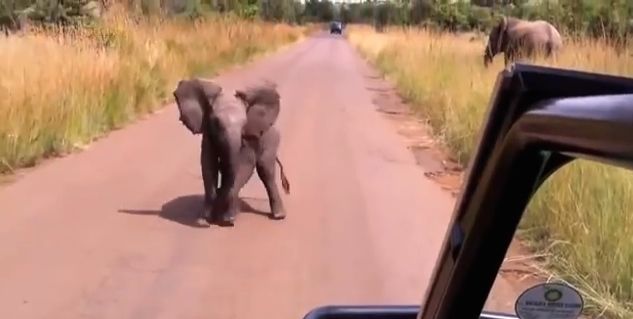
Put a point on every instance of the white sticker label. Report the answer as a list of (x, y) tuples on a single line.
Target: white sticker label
[(549, 301)]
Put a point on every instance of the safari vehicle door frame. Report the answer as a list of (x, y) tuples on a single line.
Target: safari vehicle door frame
[(539, 119)]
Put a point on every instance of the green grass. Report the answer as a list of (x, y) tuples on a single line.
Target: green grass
[(582, 217)]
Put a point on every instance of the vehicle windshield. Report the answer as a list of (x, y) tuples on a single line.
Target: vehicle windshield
[(575, 231)]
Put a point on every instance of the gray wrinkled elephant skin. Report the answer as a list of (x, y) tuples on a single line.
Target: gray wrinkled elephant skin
[(517, 38), (225, 151), (262, 104), (262, 108)]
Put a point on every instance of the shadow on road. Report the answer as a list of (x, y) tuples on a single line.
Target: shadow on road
[(327, 35), (185, 210)]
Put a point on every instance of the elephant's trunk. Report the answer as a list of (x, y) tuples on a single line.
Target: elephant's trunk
[(487, 59), (487, 56)]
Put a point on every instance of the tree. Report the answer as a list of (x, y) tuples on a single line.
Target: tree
[(326, 10), (345, 14), (420, 11), (383, 15)]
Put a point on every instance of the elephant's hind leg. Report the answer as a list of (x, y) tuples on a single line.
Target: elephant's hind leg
[(266, 170), (245, 168)]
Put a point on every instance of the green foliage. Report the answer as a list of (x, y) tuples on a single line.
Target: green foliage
[(345, 14), (319, 10), (383, 15), (452, 16), (421, 10), (610, 19), (279, 10), (16, 15)]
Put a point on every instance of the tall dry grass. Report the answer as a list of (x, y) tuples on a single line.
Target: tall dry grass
[(59, 91), (583, 216)]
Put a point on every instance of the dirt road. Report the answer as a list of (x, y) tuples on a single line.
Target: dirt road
[(110, 233)]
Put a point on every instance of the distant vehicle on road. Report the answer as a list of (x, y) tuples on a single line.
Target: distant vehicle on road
[(336, 27)]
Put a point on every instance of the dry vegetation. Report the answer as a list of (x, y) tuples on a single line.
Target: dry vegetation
[(61, 90), (582, 218)]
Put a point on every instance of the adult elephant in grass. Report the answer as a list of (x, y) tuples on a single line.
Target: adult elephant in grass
[(517, 38), (226, 150)]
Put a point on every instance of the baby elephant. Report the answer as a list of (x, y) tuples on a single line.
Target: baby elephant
[(226, 150)]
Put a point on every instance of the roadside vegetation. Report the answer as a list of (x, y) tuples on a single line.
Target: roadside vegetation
[(581, 220), (60, 90), (67, 78)]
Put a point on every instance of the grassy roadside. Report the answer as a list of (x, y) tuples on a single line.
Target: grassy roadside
[(60, 91), (581, 218)]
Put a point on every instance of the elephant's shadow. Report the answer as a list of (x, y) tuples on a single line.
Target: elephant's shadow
[(186, 209)]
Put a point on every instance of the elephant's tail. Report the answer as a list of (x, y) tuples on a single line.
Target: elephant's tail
[(284, 180)]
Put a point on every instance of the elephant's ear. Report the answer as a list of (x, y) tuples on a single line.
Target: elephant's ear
[(209, 89), (194, 99), (270, 85), (503, 23), (243, 97), (265, 94), (262, 108)]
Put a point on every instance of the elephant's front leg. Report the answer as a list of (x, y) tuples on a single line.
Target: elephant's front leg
[(237, 164), (209, 165), (510, 53), (269, 144), (507, 57), (245, 166), (225, 208)]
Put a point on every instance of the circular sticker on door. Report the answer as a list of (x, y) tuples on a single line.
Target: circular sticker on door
[(549, 301)]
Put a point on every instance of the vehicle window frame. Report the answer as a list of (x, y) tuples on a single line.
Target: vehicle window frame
[(538, 120)]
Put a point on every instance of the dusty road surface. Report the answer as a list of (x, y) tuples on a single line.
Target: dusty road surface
[(110, 232)]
